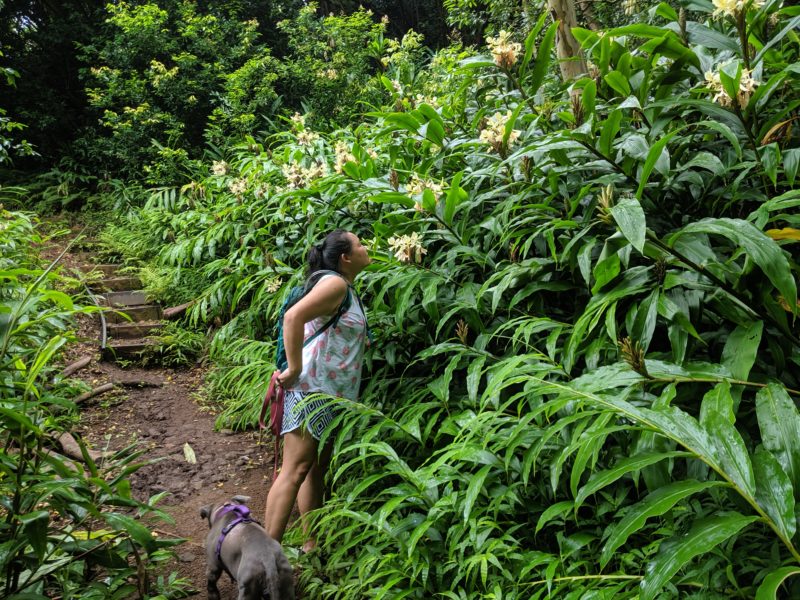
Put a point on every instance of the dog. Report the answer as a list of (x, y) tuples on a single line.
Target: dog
[(240, 546)]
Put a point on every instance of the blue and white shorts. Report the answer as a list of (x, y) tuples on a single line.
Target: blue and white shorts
[(317, 414)]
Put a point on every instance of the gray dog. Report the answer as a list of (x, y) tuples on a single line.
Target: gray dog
[(243, 549)]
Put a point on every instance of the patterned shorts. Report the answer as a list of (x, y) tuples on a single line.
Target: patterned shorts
[(316, 414)]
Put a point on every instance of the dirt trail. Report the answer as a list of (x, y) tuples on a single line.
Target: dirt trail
[(157, 409), (161, 420)]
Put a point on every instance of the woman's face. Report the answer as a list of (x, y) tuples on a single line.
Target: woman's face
[(358, 253)]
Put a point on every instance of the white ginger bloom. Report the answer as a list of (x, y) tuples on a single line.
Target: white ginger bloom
[(417, 186), (298, 121), (629, 6), (306, 138), (219, 168), (407, 248), (504, 51), (343, 156), (495, 129), (747, 86), (733, 7), (238, 186), (298, 176), (274, 285)]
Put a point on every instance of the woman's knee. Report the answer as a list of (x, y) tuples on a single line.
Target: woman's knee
[(297, 471)]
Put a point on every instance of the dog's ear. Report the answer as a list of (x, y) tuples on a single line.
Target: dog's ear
[(241, 499), (205, 512)]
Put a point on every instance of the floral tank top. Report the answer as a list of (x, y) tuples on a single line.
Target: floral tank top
[(332, 362)]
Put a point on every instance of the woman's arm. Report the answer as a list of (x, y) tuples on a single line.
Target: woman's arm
[(323, 299)]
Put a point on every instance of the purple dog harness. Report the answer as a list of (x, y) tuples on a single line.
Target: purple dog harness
[(242, 516)]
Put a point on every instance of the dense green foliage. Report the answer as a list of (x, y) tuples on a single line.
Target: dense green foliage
[(68, 529), (585, 299), (584, 382)]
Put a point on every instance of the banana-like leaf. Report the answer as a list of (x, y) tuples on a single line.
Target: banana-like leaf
[(741, 349), (655, 504), (779, 422), (774, 492), (677, 552), (732, 452), (768, 590), (758, 246), (630, 218)]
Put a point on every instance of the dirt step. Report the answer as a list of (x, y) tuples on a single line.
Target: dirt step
[(119, 284), (125, 348), (129, 331), (107, 270), (128, 298), (147, 312)]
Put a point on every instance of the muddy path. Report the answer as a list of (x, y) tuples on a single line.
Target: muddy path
[(159, 410), (159, 416)]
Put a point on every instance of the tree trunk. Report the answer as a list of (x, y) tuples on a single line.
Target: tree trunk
[(588, 14), (570, 57)]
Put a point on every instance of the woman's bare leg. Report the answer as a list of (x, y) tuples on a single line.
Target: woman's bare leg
[(299, 457), (312, 491)]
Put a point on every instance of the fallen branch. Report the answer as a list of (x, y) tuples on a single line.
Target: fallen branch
[(71, 448), (171, 313), (106, 387), (77, 365)]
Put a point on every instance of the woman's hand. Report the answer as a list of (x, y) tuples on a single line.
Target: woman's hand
[(288, 378)]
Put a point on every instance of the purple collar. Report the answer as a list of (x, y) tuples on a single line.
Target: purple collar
[(242, 516)]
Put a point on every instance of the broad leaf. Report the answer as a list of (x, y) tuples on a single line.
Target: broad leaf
[(630, 218), (779, 423), (774, 492), (677, 552), (655, 504)]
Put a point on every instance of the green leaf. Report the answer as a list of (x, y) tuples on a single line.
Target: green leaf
[(455, 196), (677, 552), (652, 157), (542, 61), (774, 492), (741, 349), (553, 511), (632, 463), (768, 590), (655, 504), (779, 423), (475, 487), (608, 131), (618, 82), (630, 218), (732, 452), (759, 247)]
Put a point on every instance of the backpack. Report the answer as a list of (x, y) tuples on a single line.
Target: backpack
[(274, 396)]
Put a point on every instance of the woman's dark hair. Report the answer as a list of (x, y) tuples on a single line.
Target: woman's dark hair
[(326, 255)]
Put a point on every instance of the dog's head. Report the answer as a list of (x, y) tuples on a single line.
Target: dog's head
[(210, 511)]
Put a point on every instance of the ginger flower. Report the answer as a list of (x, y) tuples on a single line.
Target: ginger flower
[(504, 51), (238, 186), (495, 129), (299, 176), (343, 156), (417, 186), (407, 248), (219, 168), (306, 138), (629, 6), (298, 120), (747, 86), (274, 285), (732, 7)]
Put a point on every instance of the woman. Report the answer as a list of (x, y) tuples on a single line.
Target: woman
[(330, 364)]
